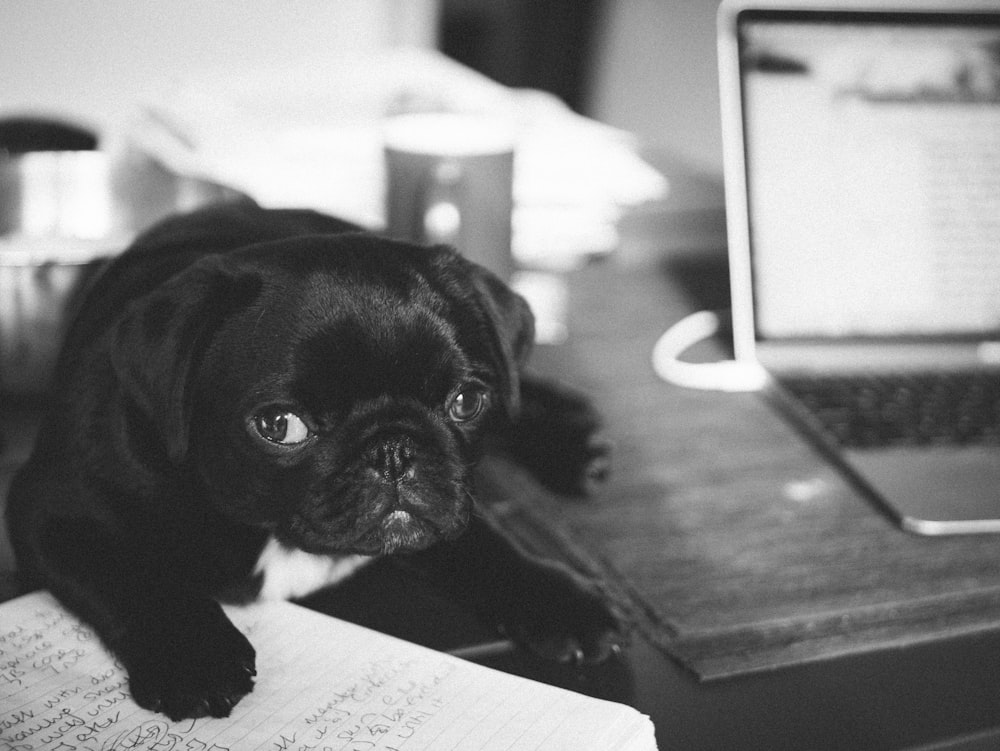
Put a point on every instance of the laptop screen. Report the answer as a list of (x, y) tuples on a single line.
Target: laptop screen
[(872, 147)]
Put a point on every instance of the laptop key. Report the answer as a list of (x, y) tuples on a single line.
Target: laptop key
[(912, 409)]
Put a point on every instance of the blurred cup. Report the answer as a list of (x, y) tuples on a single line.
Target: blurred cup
[(450, 180)]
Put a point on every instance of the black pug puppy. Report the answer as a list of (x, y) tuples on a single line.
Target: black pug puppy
[(259, 401)]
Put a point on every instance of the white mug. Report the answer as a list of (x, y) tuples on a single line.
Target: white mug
[(449, 179)]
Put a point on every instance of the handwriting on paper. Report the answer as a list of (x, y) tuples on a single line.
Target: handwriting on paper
[(323, 685), (61, 690)]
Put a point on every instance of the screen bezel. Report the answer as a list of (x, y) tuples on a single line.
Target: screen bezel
[(733, 15)]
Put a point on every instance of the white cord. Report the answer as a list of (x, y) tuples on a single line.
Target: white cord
[(724, 375)]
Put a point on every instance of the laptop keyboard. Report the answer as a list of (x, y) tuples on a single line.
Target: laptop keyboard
[(867, 411)]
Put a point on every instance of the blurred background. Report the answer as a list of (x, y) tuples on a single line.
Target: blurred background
[(615, 108), (647, 66)]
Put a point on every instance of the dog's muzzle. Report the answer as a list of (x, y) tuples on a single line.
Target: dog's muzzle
[(399, 493), (415, 510)]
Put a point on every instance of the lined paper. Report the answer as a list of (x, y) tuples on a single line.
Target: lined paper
[(322, 684)]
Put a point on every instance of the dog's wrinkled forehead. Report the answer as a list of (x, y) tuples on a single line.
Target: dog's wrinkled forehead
[(361, 338), (336, 333)]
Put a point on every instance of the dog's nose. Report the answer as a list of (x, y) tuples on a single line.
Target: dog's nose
[(393, 457)]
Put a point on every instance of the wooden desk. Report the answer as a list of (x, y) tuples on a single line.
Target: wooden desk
[(943, 693)]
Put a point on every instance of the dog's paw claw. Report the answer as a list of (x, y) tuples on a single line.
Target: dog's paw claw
[(569, 622), (182, 697), (576, 649), (596, 467), (558, 438), (202, 668), (577, 467)]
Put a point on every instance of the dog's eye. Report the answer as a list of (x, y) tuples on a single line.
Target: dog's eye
[(467, 404), (280, 426)]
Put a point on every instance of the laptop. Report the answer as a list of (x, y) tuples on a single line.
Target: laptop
[(862, 168)]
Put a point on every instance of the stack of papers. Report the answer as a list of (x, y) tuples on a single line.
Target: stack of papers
[(313, 138)]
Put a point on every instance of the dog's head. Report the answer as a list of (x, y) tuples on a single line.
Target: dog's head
[(333, 389)]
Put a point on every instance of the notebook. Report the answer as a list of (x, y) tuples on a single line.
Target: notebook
[(322, 684), (862, 167)]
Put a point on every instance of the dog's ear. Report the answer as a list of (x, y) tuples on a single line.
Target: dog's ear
[(514, 327), (163, 334)]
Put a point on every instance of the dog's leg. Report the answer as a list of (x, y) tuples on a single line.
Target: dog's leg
[(182, 654), (553, 611), (557, 437)]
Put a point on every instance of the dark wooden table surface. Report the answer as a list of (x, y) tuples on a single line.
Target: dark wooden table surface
[(945, 692)]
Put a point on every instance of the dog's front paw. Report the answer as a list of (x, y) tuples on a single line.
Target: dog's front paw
[(558, 438), (563, 618), (194, 664), (586, 465)]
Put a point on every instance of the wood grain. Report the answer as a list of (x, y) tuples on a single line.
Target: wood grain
[(736, 546)]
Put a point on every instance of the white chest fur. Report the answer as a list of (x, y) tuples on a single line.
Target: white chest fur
[(289, 573)]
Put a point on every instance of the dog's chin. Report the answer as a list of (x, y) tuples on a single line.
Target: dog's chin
[(401, 531), (398, 531)]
